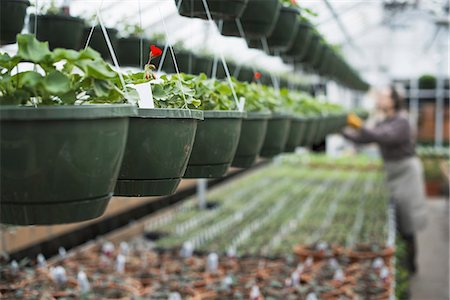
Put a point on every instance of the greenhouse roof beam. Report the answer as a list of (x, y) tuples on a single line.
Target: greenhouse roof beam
[(341, 26)]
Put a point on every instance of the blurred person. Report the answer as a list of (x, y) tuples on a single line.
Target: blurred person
[(404, 173)]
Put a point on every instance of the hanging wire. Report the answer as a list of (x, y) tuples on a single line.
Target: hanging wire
[(275, 82), (216, 58), (239, 105), (141, 37), (168, 44)]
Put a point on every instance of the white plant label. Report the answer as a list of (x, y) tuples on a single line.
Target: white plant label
[(144, 91), (241, 104)]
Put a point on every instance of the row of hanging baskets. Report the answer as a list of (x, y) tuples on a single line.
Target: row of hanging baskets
[(282, 25), (285, 29), (70, 141), (63, 164)]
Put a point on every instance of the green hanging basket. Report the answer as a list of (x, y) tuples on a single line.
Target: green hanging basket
[(285, 30), (185, 62), (60, 31), (129, 53), (296, 133), (98, 41), (12, 17), (253, 133), (215, 144), (158, 148), (203, 64), (59, 164), (258, 19), (219, 9), (276, 135), (307, 131), (301, 42)]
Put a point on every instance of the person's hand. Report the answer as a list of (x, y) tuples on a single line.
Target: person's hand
[(354, 121)]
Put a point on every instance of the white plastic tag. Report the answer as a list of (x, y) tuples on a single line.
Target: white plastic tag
[(144, 91), (241, 104)]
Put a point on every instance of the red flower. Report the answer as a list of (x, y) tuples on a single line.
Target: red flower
[(257, 75), (155, 51), (294, 2)]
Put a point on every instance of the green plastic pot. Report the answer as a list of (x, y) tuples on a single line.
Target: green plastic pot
[(219, 9), (312, 50), (307, 131), (258, 19), (296, 132), (221, 71), (59, 164), (215, 144), (276, 135), (185, 61), (285, 30), (158, 148), (98, 41), (128, 53), (301, 42), (203, 65), (60, 31), (245, 74), (253, 133), (12, 17)]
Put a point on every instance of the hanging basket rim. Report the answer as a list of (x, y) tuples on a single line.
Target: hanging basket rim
[(90, 111), (169, 113)]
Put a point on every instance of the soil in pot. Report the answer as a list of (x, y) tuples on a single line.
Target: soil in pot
[(12, 17), (60, 164), (296, 133), (253, 133), (60, 31), (258, 19), (158, 148), (215, 144), (285, 31), (219, 9), (98, 41), (276, 135)]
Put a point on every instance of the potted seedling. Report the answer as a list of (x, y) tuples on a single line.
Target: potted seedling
[(219, 9), (278, 125), (12, 17), (160, 140), (258, 19), (97, 38), (63, 134), (56, 26), (299, 121), (254, 126)]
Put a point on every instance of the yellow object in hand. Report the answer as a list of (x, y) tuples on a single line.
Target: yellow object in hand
[(354, 121)]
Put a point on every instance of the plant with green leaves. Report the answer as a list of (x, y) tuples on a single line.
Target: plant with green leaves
[(187, 91), (60, 77)]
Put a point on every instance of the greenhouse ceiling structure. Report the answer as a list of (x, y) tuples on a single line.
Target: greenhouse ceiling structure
[(383, 39)]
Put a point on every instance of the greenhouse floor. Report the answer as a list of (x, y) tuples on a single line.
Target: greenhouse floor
[(432, 280)]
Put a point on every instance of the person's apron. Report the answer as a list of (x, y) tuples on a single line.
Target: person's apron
[(405, 182)]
